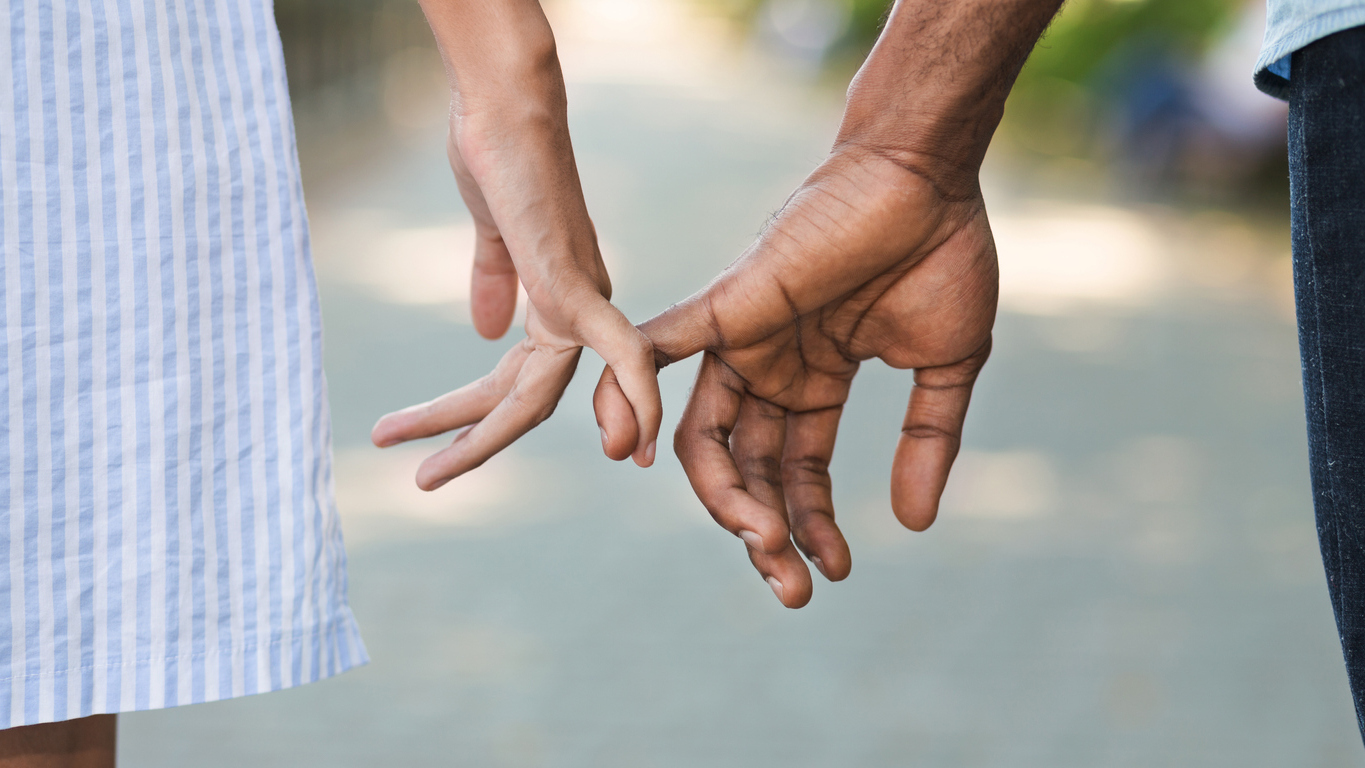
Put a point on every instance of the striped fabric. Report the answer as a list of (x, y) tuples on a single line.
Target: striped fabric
[(167, 526)]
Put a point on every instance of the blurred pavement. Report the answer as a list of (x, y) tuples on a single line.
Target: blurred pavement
[(1125, 571)]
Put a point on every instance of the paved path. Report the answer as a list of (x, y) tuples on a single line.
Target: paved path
[(1125, 573)]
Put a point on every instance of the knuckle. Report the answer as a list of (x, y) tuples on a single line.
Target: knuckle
[(537, 411), (641, 349), (681, 444), (486, 387), (515, 399), (723, 518), (765, 468), (715, 433), (807, 468), (925, 431), (686, 438)]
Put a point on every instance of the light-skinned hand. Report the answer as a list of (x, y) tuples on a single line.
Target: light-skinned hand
[(510, 152)]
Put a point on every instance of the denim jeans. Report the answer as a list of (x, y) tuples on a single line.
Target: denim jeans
[(1327, 194)]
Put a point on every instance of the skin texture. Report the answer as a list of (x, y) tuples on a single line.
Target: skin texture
[(841, 275), (883, 252), (510, 152), (85, 743)]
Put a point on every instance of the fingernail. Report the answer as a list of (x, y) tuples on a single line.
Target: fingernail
[(777, 587), (649, 452), (752, 539), (821, 565), (604, 437)]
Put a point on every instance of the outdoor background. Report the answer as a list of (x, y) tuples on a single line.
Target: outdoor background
[(1125, 570)]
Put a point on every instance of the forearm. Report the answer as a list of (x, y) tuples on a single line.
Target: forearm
[(499, 57), (933, 90)]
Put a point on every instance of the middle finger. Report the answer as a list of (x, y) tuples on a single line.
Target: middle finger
[(757, 444), (453, 410)]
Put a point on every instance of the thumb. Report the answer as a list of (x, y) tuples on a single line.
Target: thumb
[(683, 330), (747, 302), (931, 436)]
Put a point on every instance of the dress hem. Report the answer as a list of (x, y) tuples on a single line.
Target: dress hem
[(327, 651)]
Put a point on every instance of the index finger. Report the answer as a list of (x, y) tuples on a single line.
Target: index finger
[(702, 443)]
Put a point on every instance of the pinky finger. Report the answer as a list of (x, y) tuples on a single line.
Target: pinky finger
[(786, 574), (615, 417), (631, 357), (930, 438)]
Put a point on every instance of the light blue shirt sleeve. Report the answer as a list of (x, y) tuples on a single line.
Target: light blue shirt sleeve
[(1293, 24)]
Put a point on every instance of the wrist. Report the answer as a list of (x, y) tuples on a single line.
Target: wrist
[(933, 89), (935, 137), (936, 123)]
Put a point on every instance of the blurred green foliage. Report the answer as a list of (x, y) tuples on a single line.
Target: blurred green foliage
[(866, 18), (331, 41), (1056, 102), (1088, 32), (1084, 34)]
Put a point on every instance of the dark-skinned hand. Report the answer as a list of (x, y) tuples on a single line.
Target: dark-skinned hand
[(867, 259)]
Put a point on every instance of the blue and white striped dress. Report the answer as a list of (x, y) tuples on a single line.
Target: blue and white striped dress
[(167, 528)]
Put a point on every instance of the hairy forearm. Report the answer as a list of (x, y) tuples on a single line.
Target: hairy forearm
[(933, 89), (499, 55)]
